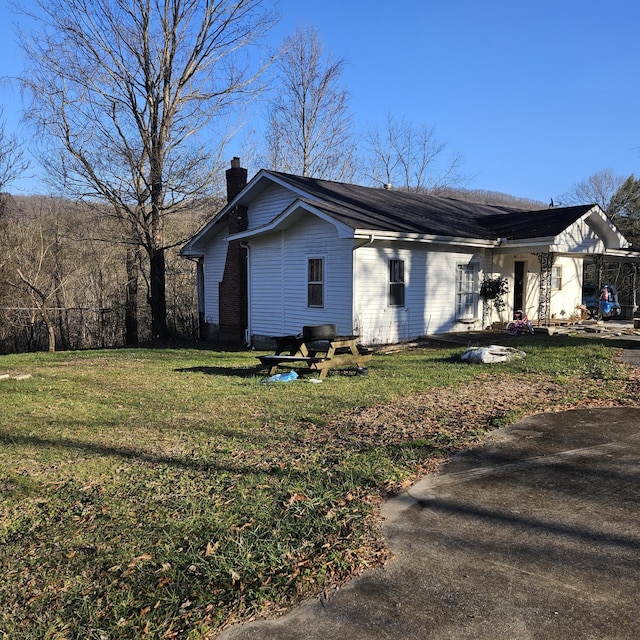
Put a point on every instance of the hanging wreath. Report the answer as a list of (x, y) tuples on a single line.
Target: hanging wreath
[(493, 289)]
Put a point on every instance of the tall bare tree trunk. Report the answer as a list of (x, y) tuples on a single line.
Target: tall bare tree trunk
[(157, 297)]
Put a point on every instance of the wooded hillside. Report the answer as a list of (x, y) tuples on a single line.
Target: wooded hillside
[(69, 281)]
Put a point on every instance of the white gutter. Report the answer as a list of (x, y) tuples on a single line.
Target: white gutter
[(370, 240), (371, 235), (367, 234)]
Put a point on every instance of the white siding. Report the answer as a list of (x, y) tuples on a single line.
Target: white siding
[(580, 238), (278, 284), (430, 281), (563, 302), (214, 259), (269, 204), (266, 295)]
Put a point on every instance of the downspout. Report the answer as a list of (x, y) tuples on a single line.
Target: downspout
[(247, 331), (369, 241)]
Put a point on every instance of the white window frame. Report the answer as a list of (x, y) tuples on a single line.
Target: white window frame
[(556, 277), (466, 291), (315, 283)]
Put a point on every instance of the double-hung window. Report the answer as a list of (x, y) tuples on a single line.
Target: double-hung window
[(556, 278), (466, 295), (396, 283), (315, 282)]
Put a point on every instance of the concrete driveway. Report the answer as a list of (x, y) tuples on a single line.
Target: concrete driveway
[(534, 535)]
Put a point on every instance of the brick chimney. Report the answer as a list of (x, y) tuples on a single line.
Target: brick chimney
[(236, 179), (232, 289)]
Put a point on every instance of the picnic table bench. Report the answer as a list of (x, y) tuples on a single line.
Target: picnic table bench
[(318, 355)]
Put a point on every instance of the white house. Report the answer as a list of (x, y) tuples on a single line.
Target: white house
[(388, 265)]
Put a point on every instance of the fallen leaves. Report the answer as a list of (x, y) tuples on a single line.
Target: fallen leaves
[(248, 524), (211, 548)]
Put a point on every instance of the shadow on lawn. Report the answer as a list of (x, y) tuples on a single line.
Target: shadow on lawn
[(239, 372), (258, 371), (127, 453)]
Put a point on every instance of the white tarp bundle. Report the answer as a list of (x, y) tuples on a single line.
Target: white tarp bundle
[(490, 354)]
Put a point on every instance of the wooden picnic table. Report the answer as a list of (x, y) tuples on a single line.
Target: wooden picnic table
[(318, 355)]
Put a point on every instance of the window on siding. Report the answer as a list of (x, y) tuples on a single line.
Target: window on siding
[(556, 277), (315, 282), (396, 283), (466, 296)]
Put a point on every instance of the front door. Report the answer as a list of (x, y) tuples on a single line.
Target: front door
[(519, 270)]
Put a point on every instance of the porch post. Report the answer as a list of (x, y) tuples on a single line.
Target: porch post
[(598, 260), (544, 302)]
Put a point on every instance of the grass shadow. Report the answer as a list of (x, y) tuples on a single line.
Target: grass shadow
[(220, 465), (238, 372), (259, 371)]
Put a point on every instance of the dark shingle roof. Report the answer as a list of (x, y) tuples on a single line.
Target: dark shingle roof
[(534, 224), (406, 212)]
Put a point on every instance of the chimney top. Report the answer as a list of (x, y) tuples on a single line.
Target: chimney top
[(236, 179)]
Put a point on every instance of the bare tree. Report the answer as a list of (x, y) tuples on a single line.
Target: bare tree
[(12, 160), (410, 156), (600, 188), (618, 196), (309, 126), (136, 96), (39, 265)]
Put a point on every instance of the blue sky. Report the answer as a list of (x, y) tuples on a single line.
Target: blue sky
[(535, 95)]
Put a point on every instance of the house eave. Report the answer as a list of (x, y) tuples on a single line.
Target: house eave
[(623, 255), (524, 244), (611, 236), (372, 235), (191, 253)]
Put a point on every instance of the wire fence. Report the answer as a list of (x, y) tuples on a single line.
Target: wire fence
[(23, 329)]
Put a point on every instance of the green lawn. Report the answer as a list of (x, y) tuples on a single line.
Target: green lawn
[(165, 493)]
